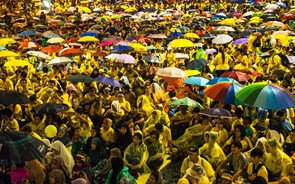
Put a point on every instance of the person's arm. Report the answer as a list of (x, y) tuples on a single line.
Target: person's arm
[(237, 174)]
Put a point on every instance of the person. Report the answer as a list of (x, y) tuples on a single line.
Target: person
[(80, 163), (123, 136), (221, 62), (94, 133), (289, 145), (155, 150), (19, 174), (237, 161), (107, 133), (289, 170), (195, 158), (36, 171), (118, 171), (222, 134), (64, 137), (97, 152), (58, 163), (255, 167), (196, 175), (57, 176), (155, 178), (78, 141)]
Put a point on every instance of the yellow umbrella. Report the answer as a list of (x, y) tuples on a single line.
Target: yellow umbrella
[(256, 21), (131, 9), (124, 7), (5, 41), (17, 62), (181, 43), (88, 39), (84, 9), (138, 47), (163, 23), (191, 72), (191, 35), (7, 53), (228, 22), (286, 40), (186, 15)]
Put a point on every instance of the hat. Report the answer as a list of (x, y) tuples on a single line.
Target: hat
[(49, 90), (107, 121), (193, 150)]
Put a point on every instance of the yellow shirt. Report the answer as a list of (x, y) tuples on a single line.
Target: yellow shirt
[(276, 163), (220, 64), (108, 136), (261, 172)]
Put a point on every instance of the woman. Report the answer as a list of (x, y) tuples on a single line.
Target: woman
[(118, 171), (144, 106), (57, 176), (80, 163), (211, 150), (260, 144), (221, 62), (155, 178), (115, 112), (94, 133), (97, 152), (64, 137), (221, 131), (36, 171), (158, 91), (153, 119), (135, 155), (123, 136), (107, 133), (75, 99), (196, 175), (59, 149), (58, 163)]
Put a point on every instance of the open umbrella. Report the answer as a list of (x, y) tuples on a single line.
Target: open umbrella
[(28, 45), (7, 53), (38, 54), (237, 75), (198, 81), (225, 28), (51, 49), (99, 54), (108, 81), (17, 147), (151, 59), (196, 63), (88, 34), (179, 43), (157, 36), (13, 97), (80, 78), (49, 34), (60, 60), (6, 41), (240, 41), (88, 39), (70, 52), (108, 42), (27, 33), (138, 47), (223, 92), (171, 72), (186, 102), (222, 39), (221, 79), (56, 40), (17, 62), (125, 58), (266, 95), (191, 35), (216, 113), (50, 108), (122, 49)]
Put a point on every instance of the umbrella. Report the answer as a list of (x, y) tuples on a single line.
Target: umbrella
[(70, 52), (221, 79), (291, 59), (223, 92), (123, 43), (151, 59), (208, 36), (80, 78), (28, 45), (125, 58), (178, 43), (2, 48), (171, 72), (176, 34), (192, 72), (13, 97), (108, 42), (6, 41), (198, 81), (55, 40), (240, 41), (210, 51), (108, 81), (75, 44), (266, 95), (89, 34), (38, 54), (50, 108), (157, 36), (51, 49), (138, 47), (49, 34), (237, 75), (99, 54), (181, 56), (88, 39), (271, 6), (27, 33), (17, 147), (196, 63), (7, 53), (222, 39), (186, 102), (60, 60), (281, 4), (225, 28), (17, 63), (122, 49), (191, 35), (216, 113)]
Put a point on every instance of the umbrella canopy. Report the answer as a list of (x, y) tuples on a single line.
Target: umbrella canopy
[(191, 35), (157, 36), (198, 81), (56, 40), (176, 34), (28, 45), (216, 113), (197, 63), (50, 108), (99, 54), (51, 49), (17, 147), (225, 28), (49, 34), (108, 42), (7, 53), (171, 72), (223, 92), (108, 81), (266, 95), (179, 43), (88, 34), (60, 60), (27, 33), (151, 59), (80, 78), (138, 47), (70, 52), (122, 49), (222, 39), (38, 54), (88, 39), (240, 41), (221, 79), (5, 41), (237, 75), (17, 62), (186, 102), (13, 97)]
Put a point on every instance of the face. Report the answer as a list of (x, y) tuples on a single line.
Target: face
[(235, 150), (54, 164), (93, 146), (255, 160), (78, 163), (122, 130), (194, 157), (219, 125), (51, 180), (206, 138), (136, 140), (153, 138), (93, 133), (78, 132), (61, 134), (152, 179), (237, 132)]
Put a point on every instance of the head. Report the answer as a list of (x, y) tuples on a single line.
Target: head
[(159, 127), (236, 147), (239, 131), (154, 136), (271, 145), (122, 128), (256, 155), (154, 177), (194, 154), (95, 143), (137, 139), (62, 132)]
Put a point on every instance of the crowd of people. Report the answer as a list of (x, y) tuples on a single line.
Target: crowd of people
[(117, 133)]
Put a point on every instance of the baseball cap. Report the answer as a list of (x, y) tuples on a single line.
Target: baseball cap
[(193, 150)]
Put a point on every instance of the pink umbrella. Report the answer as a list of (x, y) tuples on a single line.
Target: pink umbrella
[(210, 51), (108, 42), (123, 43)]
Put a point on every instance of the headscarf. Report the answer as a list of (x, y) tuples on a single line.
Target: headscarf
[(117, 105), (47, 142), (116, 153), (98, 154), (82, 159), (70, 87), (79, 181), (117, 166), (58, 176), (66, 138), (64, 154), (212, 137), (145, 105)]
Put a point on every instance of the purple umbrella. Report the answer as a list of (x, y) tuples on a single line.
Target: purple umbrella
[(240, 41), (108, 81)]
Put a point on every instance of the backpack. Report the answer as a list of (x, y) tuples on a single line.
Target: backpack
[(284, 59), (257, 42)]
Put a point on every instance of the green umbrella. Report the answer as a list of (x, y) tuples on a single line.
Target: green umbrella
[(186, 102)]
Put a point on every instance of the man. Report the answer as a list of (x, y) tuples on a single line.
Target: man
[(256, 168), (91, 95), (125, 105), (201, 54), (155, 149), (180, 121), (195, 158), (236, 159), (129, 96), (275, 62)]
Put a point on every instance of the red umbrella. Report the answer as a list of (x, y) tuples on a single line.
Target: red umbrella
[(72, 40), (288, 16), (252, 73), (51, 49), (70, 52), (237, 75), (143, 39), (28, 45), (107, 42), (100, 54)]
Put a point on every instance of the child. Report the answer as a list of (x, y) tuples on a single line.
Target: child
[(78, 141)]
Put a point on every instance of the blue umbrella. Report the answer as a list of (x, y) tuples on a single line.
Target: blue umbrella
[(198, 81), (27, 33), (281, 4), (149, 10), (122, 49), (51, 35), (89, 34), (131, 38), (221, 79), (176, 34), (108, 81)]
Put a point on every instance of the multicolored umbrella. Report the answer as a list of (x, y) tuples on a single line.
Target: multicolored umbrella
[(216, 113), (198, 81), (266, 95), (13, 97), (108, 81), (186, 102), (223, 92), (28, 45)]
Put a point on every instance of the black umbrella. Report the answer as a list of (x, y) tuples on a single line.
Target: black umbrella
[(13, 97), (16, 147), (196, 63), (80, 78), (50, 108), (216, 112)]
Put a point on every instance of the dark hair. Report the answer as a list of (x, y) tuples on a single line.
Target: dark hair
[(259, 180), (156, 174), (242, 130), (159, 127), (196, 110), (237, 144), (256, 153), (156, 133), (117, 166), (139, 136), (28, 129), (239, 112)]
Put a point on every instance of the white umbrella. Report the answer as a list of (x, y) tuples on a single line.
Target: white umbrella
[(55, 40), (222, 39), (248, 14), (126, 58), (60, 60), (181, 56), (271, 7), (112, 56), (291, 59), (210, 51), (224, 28), (38, 54), (171, 72)]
